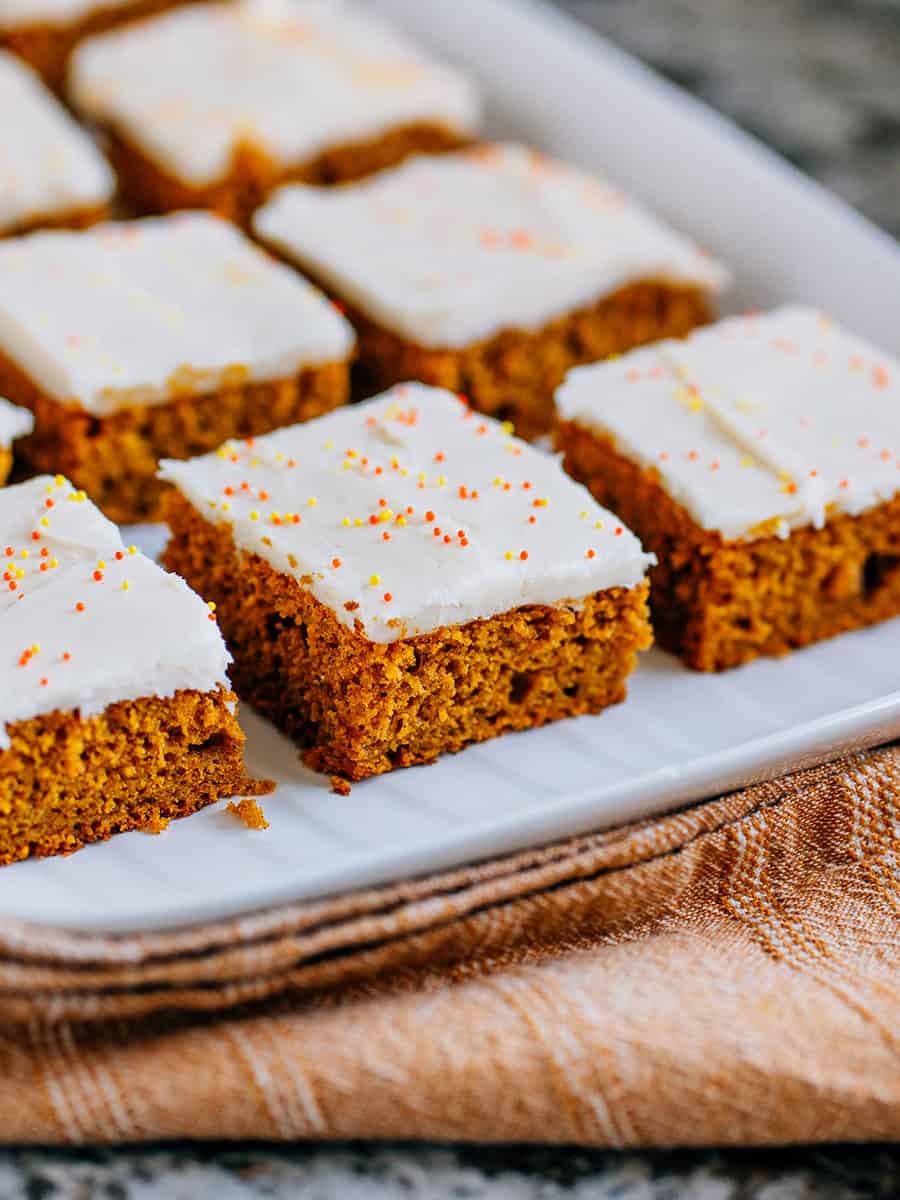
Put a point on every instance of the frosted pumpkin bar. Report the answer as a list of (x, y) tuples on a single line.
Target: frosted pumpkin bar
[(760, 461), (491, 272), (116, 711), (134, 341), (254, 92), (403, 578)]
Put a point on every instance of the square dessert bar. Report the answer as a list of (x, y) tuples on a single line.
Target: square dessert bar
[(51, 173), (44, 32), (211, 106), (759, 461), (491, 272), (130, 342), (115, 711), (403, 578), (14, 423)]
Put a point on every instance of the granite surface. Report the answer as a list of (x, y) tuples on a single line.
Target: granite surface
[(820, 81)]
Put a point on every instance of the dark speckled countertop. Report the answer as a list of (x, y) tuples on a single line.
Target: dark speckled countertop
[(820, 81)]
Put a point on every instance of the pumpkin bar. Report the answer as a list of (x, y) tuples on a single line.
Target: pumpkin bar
[(131, 342), (211, 106), (51, 173), (14, 423), (490, 272), (760, 461), (404, 578), (116, 712)]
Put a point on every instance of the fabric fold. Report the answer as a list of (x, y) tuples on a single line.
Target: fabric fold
[(725, 974)]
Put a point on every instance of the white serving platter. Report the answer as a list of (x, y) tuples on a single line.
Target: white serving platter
[(680, 736)]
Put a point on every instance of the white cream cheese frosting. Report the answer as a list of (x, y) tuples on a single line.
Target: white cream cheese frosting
[(294, 77), (410, 512), (448, 250), (86, 622), (49, 166), (15, 422), (17, 14), (758, 423), (126, 314)]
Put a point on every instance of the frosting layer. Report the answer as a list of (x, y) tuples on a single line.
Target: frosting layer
[(132, 313), (449, 250), (411, 512), (294, 77), (85, 622), (15, 422), (48, 165), (759, 424)]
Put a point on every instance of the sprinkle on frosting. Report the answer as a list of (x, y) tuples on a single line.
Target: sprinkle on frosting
[(758, 424), (14, 423), (49, 167), (86, 622), (407, 247), (127, 314), (459, 548), (294, 77)]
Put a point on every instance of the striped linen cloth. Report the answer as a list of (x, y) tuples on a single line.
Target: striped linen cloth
[(728, 974)]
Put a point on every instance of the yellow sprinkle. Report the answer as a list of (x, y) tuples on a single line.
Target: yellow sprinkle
[(54, 562), (212, 504), (254, 462), (254, 515), (746, 461), (45, 522), (35, 649), (20, 574), (357, 521), (132, 550), (386, 514), (274, 517), (346, 522), (374, 580), (60, 480), (225, 506), (541, 502), (497, 481), (442, 480), (598, 524), (351, 454), (125, 585), (25, 554), (422, 477), (507, 427), (329, 445), (509, 554), (222, 452), (583, 515), (312, 502), (346, 465), (401, 520), (100, 564), (211, 605), (404, 471)]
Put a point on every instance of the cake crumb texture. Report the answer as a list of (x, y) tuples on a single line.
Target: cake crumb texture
[(513, 375), (65, 782), (359, 708), (249, 812), (719, 603)]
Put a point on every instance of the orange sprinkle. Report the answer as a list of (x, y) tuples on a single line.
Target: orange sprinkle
[(386, 536), (119, 555), (79, 607), (523, 554), (447, 539), (35, 536), (439, 457), (335, 562), (437, 531), (98, 576), (532, 519), (67, 657), (618, 531), (591, 554), (429, 516), (388, 597)]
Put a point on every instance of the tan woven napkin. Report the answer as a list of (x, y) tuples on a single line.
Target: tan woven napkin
[(729, 974)]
